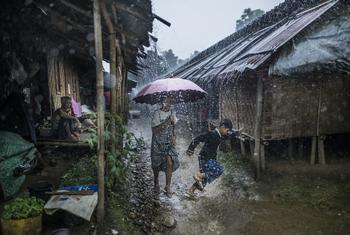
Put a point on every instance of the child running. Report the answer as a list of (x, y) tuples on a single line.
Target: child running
[(209, 168)]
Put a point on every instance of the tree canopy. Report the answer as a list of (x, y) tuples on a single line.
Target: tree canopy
[(247, 17)]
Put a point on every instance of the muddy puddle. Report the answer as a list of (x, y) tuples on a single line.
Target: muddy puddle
[(298, 201)]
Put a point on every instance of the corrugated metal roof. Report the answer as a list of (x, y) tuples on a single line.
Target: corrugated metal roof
[(251, 51)]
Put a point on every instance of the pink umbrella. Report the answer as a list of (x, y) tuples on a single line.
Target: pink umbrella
[(180, 90)]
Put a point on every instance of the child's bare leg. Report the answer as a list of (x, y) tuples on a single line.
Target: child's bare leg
[(156, 181), (169, 173), (192, 189), (200, 175)]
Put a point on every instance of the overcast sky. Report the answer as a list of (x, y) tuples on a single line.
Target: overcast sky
[(197, 24)]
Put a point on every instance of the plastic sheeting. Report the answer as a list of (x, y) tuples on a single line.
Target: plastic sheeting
[(325, 48), (14, 151)]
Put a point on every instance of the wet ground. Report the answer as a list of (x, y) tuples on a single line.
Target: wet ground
[(292, 198)]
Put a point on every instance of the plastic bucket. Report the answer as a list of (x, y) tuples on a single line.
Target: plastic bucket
[(29, 226)]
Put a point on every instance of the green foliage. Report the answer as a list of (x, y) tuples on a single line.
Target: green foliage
[(23, 207), (84, 172), (115, 167), (247, 17)]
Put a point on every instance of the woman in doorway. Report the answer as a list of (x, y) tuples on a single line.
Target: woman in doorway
[(163, 154)]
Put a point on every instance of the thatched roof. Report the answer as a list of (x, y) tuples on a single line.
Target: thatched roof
[(69, 23), (251, 46)]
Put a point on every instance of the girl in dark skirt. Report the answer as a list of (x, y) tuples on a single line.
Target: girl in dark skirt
[(163, 154)]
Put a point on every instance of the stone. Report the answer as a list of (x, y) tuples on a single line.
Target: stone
[(169, 221), (114, 232), (132, 215)]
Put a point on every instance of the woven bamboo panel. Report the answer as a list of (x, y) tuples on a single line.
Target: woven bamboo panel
[(335, 106), (63, 81), (228, 104), (238, 103), (291, 107)]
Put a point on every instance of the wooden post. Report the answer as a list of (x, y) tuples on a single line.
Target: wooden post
[(321, 153), (251, 148), (100, 114), (243, 152), (113, 72), (119, 77), (313, 150), (263, 162), (290, 149), (300, 148), (258, 126)]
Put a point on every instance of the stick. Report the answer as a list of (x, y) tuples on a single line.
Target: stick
[(84, 192)]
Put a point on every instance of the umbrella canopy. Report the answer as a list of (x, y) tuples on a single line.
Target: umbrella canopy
[(180, 90)]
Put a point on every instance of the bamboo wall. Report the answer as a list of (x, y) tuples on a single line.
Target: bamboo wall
[(291, 107), (238, 103), (63, 80), (306, 107)]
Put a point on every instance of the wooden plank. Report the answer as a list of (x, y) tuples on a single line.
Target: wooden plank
[(84, 192), (61, 143)]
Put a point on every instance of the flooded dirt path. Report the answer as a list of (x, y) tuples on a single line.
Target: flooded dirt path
[(235, 203)]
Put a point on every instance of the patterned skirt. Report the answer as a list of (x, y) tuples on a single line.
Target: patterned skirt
[(162, 147), (212, 169)]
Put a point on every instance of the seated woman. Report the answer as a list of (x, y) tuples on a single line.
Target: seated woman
[(64, 123)]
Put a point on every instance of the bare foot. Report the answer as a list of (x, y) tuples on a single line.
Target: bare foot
[(156, 189), (167, 192)]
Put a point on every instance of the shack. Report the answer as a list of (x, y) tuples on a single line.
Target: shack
[(285, 76), (48, 52)]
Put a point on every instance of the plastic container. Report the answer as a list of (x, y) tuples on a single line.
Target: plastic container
[(26, 226), (62, 231)]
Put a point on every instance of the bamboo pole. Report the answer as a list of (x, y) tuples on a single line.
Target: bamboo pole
[(321, 152), (113, 73), (125, 94), (291, 149), (100, 114), (263, 162), (258, 127), (313, 150), (320, 139), (119, 76)]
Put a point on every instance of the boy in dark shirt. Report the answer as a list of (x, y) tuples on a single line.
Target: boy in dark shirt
[(209, 168)]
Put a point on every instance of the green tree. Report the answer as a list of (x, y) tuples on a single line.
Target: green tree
[(247, 17), (170, 58)]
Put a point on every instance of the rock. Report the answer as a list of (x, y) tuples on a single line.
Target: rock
[(169, 221), (132, 215), (114, 232), (139, 222)]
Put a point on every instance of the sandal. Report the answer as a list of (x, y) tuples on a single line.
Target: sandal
[(168, 194), (190, 196), (199, 183)]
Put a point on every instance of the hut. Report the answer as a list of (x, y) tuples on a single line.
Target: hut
[(48, 50), (285, 76)]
